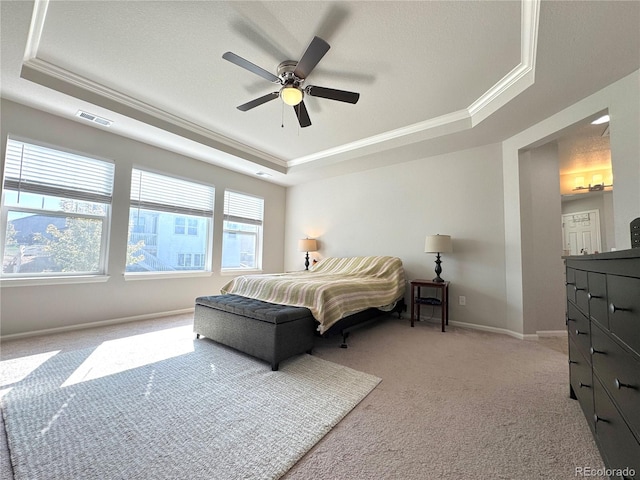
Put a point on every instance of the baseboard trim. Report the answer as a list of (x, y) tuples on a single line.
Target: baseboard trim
[(102, 323), (501, 331), (149, 316), (551, 333)]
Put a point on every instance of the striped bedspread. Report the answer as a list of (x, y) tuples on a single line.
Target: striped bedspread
[(332, 289)]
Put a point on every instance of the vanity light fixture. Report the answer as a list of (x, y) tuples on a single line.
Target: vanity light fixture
[(601, 120)]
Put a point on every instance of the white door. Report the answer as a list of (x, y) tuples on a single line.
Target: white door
[(581, 232)]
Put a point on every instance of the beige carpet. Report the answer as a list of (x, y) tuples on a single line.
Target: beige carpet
[(163, 405), (455, 405)]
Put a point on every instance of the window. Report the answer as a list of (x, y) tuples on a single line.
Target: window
[(242, 236), (185, 226), (55, 212), (186, 259), (168, 217)]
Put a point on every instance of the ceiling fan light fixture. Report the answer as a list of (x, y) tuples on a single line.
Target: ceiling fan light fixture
[(291, 95)]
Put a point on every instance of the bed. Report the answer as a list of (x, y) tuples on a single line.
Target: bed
[(273, 317), (332, 289)]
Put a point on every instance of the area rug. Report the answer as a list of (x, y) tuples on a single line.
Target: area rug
[(205, 412)]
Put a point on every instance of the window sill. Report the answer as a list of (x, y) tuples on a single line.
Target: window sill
[(163, 275), (235, 272), (38, 281)]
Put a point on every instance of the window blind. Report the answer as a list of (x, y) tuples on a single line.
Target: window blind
[(152, 191), (241, 208), (35, 169)]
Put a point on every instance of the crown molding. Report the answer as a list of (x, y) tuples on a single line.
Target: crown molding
[(52, 76), (507, 88), (522, 76), (64, 81), (445, 124)]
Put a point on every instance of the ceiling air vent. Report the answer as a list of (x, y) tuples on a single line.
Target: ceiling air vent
[(94, 118)]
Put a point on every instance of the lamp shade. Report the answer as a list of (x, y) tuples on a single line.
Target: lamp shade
[(307, 245), (438, 244)]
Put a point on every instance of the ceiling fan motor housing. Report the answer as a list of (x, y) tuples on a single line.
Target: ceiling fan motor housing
[(286, 75)]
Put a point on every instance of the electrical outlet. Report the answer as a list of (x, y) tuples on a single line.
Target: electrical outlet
[(462, 300)]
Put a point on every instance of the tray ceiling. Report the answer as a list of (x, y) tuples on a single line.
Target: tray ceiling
[(426, 72)]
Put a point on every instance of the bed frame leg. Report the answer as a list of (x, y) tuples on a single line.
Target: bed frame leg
[(197, 336), (345, 335)]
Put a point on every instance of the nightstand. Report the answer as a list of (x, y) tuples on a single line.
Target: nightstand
[(441, 299)]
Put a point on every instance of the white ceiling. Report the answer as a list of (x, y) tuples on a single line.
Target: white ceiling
[(434, 76)]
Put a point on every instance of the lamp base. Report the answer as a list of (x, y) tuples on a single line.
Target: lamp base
[(438, 270)]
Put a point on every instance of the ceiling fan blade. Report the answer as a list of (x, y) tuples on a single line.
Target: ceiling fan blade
[(332, 94), (259, 101), (310, 58), (302, 114), (246, 64)]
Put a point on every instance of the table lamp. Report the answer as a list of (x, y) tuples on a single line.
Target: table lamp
[(307, 245), (438, 244)]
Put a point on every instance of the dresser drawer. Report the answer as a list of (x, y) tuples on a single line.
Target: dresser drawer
[(581, 380), (597, 295), (619, 372), (582, 290), (571, 283), (579, 328), (624, 309), (618, 445)]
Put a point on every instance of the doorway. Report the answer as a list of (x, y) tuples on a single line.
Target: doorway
[(581, 233)]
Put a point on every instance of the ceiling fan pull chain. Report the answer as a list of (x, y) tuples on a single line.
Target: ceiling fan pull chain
[(282, 121)]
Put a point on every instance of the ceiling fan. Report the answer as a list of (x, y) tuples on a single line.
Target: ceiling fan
[(291, 76)]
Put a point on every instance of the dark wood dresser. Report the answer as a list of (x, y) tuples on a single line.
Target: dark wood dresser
[(603, 322)]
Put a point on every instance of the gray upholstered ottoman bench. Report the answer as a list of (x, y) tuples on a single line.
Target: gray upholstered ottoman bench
[(263, 330)]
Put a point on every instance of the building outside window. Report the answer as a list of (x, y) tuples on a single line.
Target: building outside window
[(56, 209), (170, 224), (242, 235), (186, 226)]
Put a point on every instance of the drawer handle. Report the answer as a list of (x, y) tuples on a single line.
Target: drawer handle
[(619, 385), (578, 289), (584, 385), (569, 319), (597, 419), (572, 361), (613, 308), (591, 295), (578, 332), (570, 283), (593, 351)]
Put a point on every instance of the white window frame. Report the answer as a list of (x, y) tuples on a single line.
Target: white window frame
[(39, 185), (251, 216), (145, 199)]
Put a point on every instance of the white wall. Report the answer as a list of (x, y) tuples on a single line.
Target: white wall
[(542, 266), (33, 308), (390, 210), (473, 195), (622, 100)]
